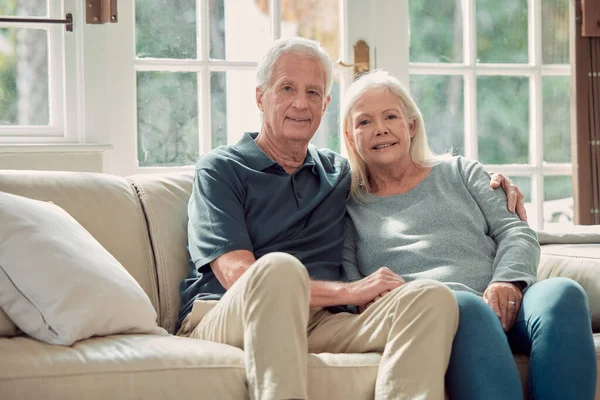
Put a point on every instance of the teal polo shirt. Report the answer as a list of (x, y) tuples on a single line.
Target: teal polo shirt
[(243, 200)]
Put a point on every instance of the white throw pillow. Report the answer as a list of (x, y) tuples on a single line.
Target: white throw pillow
[(58, 284)]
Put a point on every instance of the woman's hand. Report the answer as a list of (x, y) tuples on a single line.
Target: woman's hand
[(513, 195), (505, 299)]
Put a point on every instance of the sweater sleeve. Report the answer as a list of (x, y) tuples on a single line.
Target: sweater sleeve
[(518, 250), (351, 271)]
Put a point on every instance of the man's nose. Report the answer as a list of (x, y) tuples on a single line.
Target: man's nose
[(301, 102)]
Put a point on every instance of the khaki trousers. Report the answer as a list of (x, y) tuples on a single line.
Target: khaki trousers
[(266, 313)]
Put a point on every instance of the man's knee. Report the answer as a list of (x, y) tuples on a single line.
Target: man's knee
[(434, 295), (280, 270)]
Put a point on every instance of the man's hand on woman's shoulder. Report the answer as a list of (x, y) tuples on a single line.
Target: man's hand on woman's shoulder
[(516, 200)]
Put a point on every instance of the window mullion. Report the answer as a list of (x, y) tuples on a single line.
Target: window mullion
[(203, 77), (536, 116), (275, 11), (470, 81)]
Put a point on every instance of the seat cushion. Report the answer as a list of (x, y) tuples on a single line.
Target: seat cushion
[(121, 367), (159, 367)]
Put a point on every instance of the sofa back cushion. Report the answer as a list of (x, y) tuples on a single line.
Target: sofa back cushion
[(164, 198), (107, 206)]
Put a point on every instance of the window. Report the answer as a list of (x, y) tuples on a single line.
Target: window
[(195, 68), (493, 82), (35, 59)]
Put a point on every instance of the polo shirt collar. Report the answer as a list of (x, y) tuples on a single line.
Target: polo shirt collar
[(259, 161)]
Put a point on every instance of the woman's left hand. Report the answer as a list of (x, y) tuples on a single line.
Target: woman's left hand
[(505, 300)]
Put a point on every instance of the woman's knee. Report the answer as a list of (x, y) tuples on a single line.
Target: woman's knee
[(561, 293)]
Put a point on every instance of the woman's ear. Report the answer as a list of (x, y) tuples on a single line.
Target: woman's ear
[(412, 127), (349, 135)]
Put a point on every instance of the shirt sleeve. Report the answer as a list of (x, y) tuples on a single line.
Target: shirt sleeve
[(216, 215), (518, 250), (351, 271)]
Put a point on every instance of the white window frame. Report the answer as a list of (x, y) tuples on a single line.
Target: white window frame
[(203, 66), (537, 168), (65, 79)]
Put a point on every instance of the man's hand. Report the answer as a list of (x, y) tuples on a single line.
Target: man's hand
[(505, 299), (373, 286), (513, 195)]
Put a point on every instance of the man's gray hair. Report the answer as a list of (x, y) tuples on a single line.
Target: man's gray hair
[(296, 45)]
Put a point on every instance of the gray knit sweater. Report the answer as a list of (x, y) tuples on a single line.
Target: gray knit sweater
[(452, 228)]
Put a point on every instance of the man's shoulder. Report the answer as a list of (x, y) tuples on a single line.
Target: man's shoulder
[(330, 160), (219, 157)]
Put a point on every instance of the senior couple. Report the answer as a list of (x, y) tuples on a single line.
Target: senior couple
[(397, 250)]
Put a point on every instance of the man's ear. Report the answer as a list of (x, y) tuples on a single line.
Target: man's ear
[(326, 103), (259, 99)]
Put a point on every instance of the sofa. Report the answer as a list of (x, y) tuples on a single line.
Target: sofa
[(141, 220)]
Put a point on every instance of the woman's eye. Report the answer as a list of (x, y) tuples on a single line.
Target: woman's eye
[(391, 116), (363, 122)]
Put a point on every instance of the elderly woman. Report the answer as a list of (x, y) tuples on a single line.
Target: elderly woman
[(435, 217)]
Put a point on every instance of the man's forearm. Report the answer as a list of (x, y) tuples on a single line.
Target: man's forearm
[(326, 294)]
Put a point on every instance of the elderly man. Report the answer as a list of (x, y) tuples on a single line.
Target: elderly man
[(265, 238)]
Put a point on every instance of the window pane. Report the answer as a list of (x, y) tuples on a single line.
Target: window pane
[(328, 134), (558, 201), (524, 185), (436, 31), (34, 8), (557, 118), (503, 119), (24, 77), (555, 31), (233, 102), (167, 112), (440, 99), (240, 30), (165, 28), (502, 31), (313, 19)]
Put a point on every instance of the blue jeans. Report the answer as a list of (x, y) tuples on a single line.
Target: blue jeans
[(553, 327)]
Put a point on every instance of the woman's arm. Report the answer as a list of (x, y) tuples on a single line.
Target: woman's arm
[(518, 251), (351, 271)]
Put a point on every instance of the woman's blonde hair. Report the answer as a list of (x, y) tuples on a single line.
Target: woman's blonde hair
[(420, 151)]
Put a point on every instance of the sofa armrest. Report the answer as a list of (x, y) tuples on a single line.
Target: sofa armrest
[(580, 262)]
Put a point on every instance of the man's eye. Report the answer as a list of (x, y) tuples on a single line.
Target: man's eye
[(287, 88), (314, 93)]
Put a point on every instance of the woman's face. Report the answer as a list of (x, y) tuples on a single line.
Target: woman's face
[(377, 128)]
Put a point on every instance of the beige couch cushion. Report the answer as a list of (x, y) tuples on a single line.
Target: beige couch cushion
[(121, 367), (164, 198), (7, 326), (580, 262), (107, 206)]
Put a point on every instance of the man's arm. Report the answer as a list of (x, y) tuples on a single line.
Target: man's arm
[(230, 266)]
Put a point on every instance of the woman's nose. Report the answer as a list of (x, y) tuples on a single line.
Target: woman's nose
[(381, 129)]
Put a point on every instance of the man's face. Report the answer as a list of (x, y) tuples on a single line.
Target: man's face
[(295, 99)]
